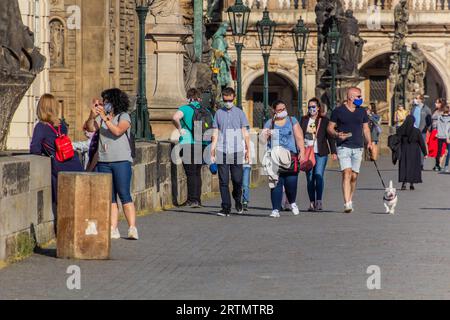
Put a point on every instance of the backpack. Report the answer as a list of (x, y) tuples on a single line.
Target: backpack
[(63, 146), (131, 138), (201, 120)]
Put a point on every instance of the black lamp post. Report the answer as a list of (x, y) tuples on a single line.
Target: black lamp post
[(266, 31), (238, 15), (143, 131), (404, 57), (300, 36), (334, 43)]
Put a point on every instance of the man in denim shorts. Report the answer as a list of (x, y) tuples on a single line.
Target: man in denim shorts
[(349, 124)]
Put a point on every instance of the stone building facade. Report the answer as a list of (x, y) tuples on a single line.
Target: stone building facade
[(428, 26), (92, 48)]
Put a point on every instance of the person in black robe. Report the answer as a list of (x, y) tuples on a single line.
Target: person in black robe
[(411, 147)]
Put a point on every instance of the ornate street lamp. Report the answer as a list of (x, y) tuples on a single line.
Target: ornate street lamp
[(266, 31), (334, 44), (300, 36), (238, 15), (143, 130), (404, 57)]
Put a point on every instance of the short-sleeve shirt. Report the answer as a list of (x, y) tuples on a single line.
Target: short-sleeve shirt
[(347, 122), (112, 148), (186, 123), (283, 136), (230, 123)]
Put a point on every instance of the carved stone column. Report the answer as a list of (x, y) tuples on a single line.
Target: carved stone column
[(165, 88)]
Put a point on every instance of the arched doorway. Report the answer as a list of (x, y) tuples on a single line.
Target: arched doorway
[(376, 87), (280, 88)]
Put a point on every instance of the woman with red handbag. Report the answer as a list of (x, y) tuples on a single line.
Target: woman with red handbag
[(285, 132), (320, 144)]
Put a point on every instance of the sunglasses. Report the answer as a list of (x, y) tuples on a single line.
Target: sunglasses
[(226, 101), (312, 107)]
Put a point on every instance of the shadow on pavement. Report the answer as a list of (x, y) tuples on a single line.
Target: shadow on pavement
[(440, 209), (48, 252)]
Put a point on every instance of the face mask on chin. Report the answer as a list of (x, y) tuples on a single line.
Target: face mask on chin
[(281, 115)]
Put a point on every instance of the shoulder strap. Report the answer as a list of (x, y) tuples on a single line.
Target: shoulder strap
[(58, 133)]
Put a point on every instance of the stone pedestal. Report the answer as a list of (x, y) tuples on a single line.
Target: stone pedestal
[(84, 215), (165, 34)]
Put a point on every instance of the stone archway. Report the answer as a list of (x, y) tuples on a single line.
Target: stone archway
[(376, 87), (281, 87)]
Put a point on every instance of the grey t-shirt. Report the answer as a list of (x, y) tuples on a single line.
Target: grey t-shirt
[(112, 148), (230, 124)]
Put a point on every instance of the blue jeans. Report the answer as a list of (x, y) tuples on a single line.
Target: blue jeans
[(246, 184), (448, 155), (121, 179), (315, 178), (289, 182)]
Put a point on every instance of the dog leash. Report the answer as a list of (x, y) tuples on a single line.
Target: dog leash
[(379, 174)]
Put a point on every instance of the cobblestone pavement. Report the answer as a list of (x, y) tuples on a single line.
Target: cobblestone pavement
[(185, 254)]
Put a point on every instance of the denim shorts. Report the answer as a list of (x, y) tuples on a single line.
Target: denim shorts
[(350, 158), (121, 179)]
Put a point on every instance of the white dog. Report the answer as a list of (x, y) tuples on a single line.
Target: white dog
[(390, 198)]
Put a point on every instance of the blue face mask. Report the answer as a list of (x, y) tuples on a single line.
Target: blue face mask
[(358, 102), (108, 107)]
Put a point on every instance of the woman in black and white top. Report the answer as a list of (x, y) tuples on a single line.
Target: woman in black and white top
[(314, 125)]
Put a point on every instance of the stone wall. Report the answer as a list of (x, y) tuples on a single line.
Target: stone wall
[(26, 216)]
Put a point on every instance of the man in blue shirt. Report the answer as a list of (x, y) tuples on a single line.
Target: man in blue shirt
[(349, 124), (230, 129)]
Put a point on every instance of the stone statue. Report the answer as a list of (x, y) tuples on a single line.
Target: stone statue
[(213, 11), (351, 45), (394, 75), (57, 44), (418, 68), (221, 61), (20, 61), (326, 11), (197, 74), (401, 17)]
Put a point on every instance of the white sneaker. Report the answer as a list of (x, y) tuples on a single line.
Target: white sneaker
[(446, 169), (275, 214), (295, 210), (115, 234), (348, 207), (319, 205), (133, 233)]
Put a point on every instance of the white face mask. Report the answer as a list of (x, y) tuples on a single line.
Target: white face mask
[(229, 105), (282, 114)]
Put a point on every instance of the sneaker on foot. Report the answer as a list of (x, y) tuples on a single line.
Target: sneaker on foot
[(275, 214), (115, 234), (133, 233), (195, 204), (245, 206), (436, 168), (348, 207), (239, 208), (446, 169), (223, 213), (295, 209), (312, 207), (319, 205)]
